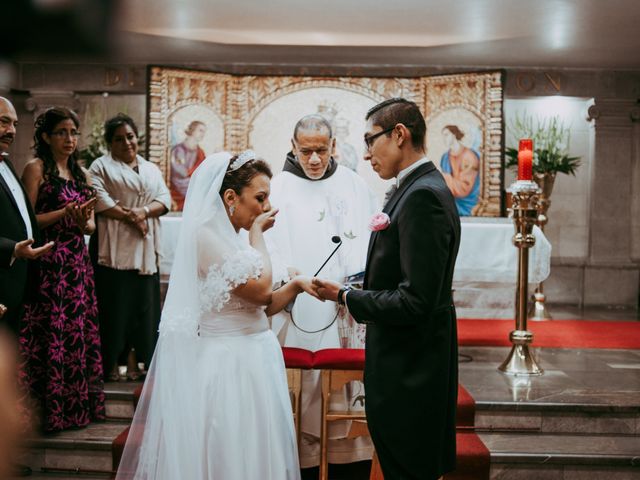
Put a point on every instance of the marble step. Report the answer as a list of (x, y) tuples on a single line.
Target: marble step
[(87, 450), (524, 456), (119, 399), (66, 476), (558, 418), (519, 456), (581, 391)]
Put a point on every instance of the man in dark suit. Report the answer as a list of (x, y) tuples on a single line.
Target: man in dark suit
[(17, 230), (411, 368)]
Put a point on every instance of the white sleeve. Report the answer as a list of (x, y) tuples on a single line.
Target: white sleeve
[(223, 277)]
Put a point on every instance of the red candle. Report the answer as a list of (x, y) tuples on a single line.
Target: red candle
[(525, 159), (525, 144)]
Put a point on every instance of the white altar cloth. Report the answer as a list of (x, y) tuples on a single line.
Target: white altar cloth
[(486, 253)]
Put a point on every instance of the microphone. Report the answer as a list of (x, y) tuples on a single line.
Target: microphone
[(334, 239)]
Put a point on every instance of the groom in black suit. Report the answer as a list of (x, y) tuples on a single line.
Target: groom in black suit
[(411, 368)]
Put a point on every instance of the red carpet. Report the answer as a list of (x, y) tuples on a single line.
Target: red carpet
[(466, 408), (552, 334), (472, 458), (117, 448)]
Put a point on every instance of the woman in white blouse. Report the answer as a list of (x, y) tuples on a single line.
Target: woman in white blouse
[(132, 195)]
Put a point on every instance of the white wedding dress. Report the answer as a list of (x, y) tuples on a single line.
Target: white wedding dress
[(215, 405)]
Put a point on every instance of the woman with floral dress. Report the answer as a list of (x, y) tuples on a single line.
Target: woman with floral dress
[(59, 335)]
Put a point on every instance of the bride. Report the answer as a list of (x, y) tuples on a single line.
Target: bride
[(215, 404)]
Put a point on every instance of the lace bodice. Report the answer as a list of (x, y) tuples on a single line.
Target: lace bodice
[(222, 312)]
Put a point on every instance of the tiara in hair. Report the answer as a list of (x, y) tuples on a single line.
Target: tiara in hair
[(244, 157)]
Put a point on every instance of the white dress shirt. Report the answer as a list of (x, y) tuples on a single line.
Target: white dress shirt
[(404, 173)]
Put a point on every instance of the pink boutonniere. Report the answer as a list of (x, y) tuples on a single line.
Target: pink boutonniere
[(380, 221)]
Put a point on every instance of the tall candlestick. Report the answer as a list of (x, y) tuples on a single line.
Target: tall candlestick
[(525, 197), (525, 159)]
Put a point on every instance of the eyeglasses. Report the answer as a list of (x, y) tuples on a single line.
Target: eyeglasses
[(370, 140), (65, 133)]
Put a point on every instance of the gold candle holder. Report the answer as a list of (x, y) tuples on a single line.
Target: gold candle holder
[(525, 196)]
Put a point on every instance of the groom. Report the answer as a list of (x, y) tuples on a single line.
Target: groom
[(411, 368)]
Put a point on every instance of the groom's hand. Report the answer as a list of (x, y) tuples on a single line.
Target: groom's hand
[(327, 289)]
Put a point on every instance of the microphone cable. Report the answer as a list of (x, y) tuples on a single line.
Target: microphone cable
[(289, 308)]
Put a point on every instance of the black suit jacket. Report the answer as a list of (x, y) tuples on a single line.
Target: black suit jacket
[(13, 277), (411, 369)]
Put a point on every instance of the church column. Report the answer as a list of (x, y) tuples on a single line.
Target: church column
[(612, 276)]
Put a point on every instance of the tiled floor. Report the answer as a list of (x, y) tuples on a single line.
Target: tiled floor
[(581, 378)]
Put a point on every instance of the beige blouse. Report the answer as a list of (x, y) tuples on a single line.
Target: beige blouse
[(120, 245)]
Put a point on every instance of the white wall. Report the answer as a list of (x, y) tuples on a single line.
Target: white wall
[(568, 227)]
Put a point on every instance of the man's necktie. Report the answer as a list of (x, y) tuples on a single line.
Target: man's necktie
[(389, 194)]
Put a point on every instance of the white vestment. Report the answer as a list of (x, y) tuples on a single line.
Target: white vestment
[(311, 213)]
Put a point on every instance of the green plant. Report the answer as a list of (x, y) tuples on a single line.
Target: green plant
[(551, 140), (96, 146)]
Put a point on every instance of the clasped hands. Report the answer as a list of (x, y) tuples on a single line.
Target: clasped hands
[(137, 218), (319, 288), (82, 213)]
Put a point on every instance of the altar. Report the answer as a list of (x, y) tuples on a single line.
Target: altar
[(486, 252)]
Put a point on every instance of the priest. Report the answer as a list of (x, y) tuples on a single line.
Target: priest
[(325, 208)]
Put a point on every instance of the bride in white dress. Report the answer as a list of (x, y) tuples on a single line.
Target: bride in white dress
[(215, 404)]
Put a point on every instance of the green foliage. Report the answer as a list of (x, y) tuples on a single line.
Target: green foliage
[(551, 140), (95, 147)]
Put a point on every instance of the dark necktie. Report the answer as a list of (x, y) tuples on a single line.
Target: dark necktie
[(389, 194)]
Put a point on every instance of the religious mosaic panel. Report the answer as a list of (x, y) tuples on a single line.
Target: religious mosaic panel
[(195, 113)]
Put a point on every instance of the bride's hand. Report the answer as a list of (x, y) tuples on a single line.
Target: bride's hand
[(305, 284), (264, 221)]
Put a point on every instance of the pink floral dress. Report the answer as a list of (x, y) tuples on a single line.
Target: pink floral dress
[(59, 335)]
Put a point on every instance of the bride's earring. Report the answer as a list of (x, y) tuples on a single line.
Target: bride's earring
[(232, 209)]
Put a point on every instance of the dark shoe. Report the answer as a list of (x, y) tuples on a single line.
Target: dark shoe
[(20, 470)]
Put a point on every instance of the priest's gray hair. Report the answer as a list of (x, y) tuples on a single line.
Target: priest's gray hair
[(313, 123)]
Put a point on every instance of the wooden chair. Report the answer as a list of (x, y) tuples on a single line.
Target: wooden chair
[(296, 360), (339, 366)]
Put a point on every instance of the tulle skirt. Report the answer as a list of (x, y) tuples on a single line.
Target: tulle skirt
[(229, 418)]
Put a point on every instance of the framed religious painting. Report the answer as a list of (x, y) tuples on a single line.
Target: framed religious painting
[(465, 138), (194, 113)]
